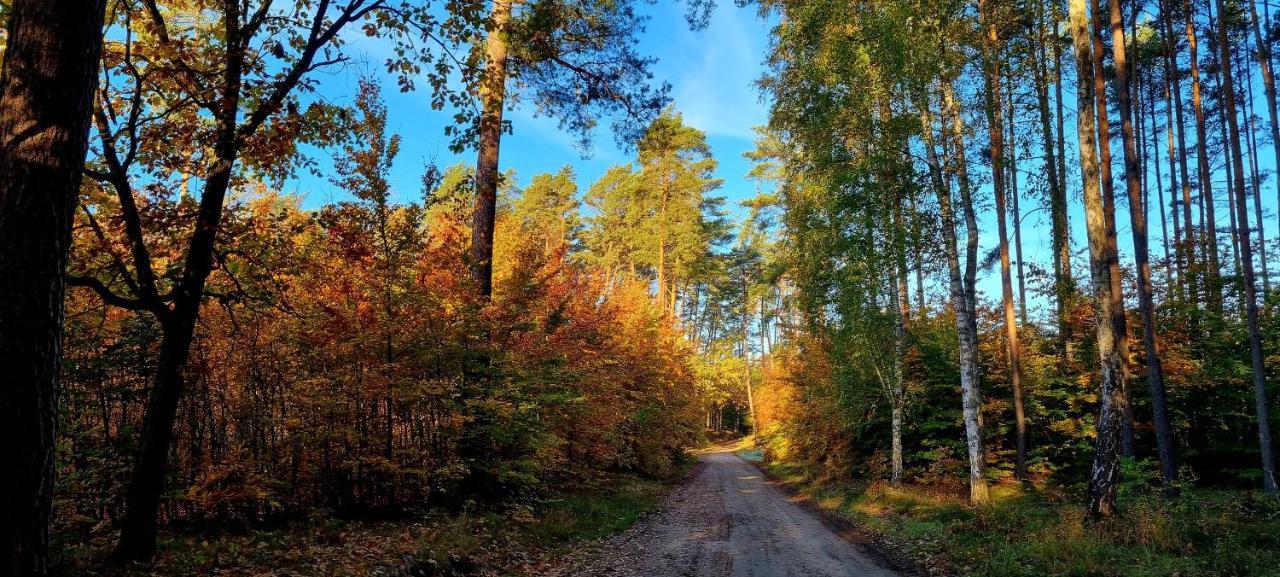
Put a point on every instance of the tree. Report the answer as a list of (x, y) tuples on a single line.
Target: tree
[(577, 60), (549, 207), (1138, 218), (995, 122), (49, 75), (226, 102), (1105, 470), (613, 235), (677, 168), (1257, 362)]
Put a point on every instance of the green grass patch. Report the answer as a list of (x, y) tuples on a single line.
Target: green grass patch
[(584, 516), (1029, 532)]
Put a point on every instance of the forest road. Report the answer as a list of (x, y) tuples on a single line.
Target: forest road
[(729, 520)]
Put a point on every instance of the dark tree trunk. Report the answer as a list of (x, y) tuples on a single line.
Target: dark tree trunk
[(492, 99), (1188, 246), (1059, 232), (1246, 263), (49, 76), (1255, 178), (1141, 251), (138, 529)]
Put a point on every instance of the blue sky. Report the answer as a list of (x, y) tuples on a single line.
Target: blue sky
[(711, 73)]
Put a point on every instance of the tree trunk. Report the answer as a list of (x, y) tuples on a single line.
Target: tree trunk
[(1212, 290), (50, 73), (138, 528), (1221, 69), (746, 355), (1169, 256), (1064, 251), (1255, 179), (1138, 220), (902, 309), (1105, 470), (995, 122), (1246, 263), (962, 295), (1179, 247), (1059, 233), (1015, 214), (1109, 211), (492, 98), (1188, 244)]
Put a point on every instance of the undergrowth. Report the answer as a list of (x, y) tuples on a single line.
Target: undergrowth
[(1033, 531), (522, 540)]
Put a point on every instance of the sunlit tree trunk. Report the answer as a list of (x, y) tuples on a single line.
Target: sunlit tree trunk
[(47, 83), (962, 296), (746, 354), (1105, 470), (995, 121), (492, 100)]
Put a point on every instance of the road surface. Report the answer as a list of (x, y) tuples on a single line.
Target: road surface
[(730, 521)]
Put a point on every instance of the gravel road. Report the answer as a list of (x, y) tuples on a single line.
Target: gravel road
[(730, 521)]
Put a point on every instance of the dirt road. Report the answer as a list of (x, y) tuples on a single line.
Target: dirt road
[(730, 521)]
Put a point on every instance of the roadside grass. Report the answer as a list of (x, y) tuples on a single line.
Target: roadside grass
[(1038, 532), (519, 541)]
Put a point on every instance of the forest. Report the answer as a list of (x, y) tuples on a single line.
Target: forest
[(994, 291)]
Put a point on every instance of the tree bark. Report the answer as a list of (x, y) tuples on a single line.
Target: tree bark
[(902, 312), (1109, 211), (493, 99), (746, 355), (1141, 251), (1169, 257), (1015, 214), (1105, 471), (49, 76), (963, 299)]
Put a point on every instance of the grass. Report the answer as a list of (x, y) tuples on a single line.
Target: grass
[(1037, 532), (519, 541)]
